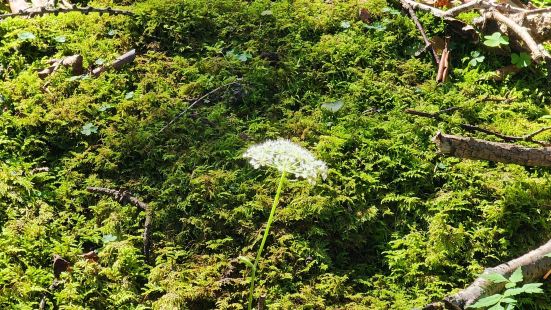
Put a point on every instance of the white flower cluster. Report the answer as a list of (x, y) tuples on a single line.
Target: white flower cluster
[(287, 156)]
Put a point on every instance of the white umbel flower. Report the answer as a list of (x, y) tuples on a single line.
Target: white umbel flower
[(287, 157)]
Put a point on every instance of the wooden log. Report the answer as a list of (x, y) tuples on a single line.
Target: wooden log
[(534, 265)]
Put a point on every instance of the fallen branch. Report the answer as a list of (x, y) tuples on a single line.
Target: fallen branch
[(534, 266), (471, 148), (125, 58), (22, 8), (74, 61), (123, 197)]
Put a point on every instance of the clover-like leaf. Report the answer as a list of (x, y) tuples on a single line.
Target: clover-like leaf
[(99, 62), (333, 106), (244, 56), (26, 35), (345, 24), (60, 39), (521, 60), (89, 129), (266, 13), (496, 39), (129, 95), (108, 238), (476, 58)]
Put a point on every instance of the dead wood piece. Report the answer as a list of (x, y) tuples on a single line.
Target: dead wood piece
[(122, 60), (75, 62), (124, 197), (534, 266), (471, 148)]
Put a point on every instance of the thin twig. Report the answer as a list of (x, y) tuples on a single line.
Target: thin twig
[(526, 138), (197, 101), (421, 30), (123, 197)]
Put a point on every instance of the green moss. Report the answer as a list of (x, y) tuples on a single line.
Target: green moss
[(394, 226)]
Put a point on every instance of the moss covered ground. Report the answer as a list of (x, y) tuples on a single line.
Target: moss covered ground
[(394, 226)]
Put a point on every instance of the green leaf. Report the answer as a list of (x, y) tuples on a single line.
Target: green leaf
[(508, 300), (89, 129), (497, 307), (487, 301), (99, 62), (510, 285), (521, 60), (516, 276), (513, 291), (112, 33), (246, 261), (494, 277), (532, 288), (333, 106), (511, 306), (25, 35), (496, 39), (129, 95), (266, 13), (108, 238)]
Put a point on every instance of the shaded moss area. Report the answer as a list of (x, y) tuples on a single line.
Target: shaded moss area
[(394, 226)]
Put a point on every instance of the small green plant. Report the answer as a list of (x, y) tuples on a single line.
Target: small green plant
[(521, 60), (287, 158), (506, 300), (496, 39)]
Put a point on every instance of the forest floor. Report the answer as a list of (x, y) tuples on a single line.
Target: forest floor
[(395, 225)]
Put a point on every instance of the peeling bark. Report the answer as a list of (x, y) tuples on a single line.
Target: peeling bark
[(471, 148), (17, 6)]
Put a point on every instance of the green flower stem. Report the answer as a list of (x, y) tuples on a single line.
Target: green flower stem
[(266, 231)]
